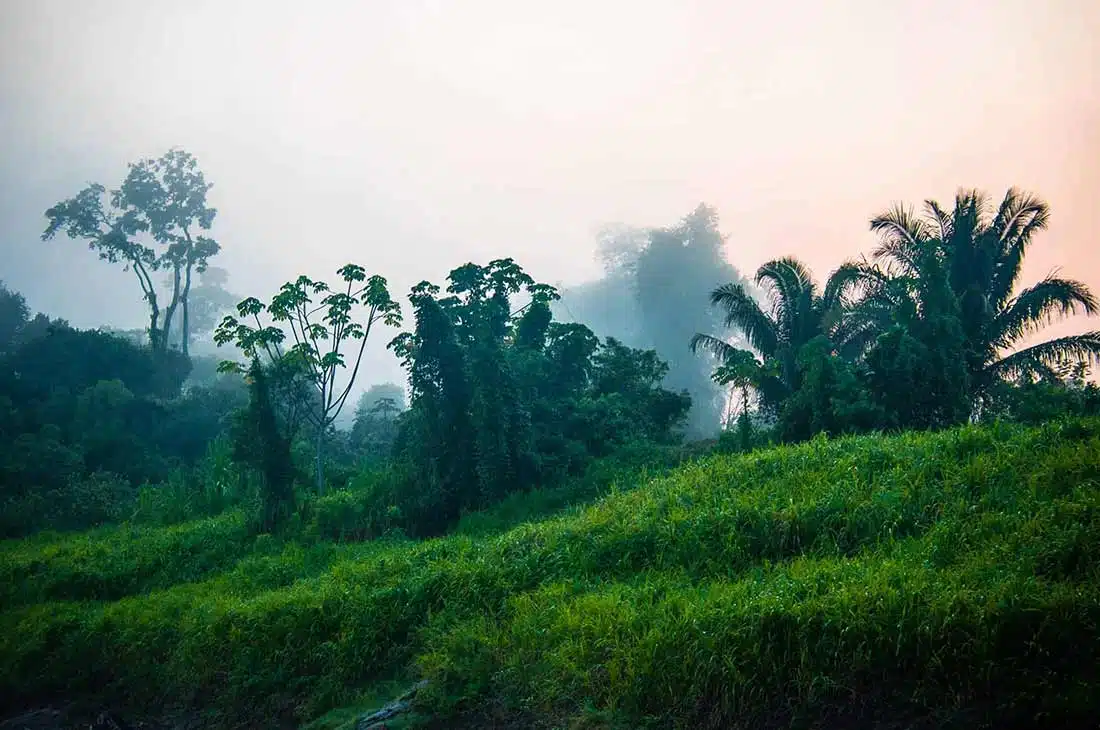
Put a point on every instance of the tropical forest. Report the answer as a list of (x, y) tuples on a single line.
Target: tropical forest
[(298, 430)]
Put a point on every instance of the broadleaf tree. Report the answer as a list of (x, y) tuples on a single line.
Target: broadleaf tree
[(305, 338), (153, 222)]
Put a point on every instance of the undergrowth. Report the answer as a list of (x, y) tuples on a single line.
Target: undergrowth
[(943, 579)]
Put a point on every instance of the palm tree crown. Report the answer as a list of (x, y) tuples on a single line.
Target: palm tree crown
[(799, 312), (975, 259)]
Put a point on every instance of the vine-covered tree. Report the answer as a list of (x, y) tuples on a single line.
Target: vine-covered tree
[(259, 443), (501, 400)]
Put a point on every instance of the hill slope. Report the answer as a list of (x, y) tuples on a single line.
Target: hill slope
[(920, 580)]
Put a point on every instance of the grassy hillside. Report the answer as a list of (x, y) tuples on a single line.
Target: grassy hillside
[(947, 579)]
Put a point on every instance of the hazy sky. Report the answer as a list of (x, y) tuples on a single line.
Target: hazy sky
[(413, 136)]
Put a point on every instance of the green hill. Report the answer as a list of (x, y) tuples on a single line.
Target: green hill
[(928, 580)]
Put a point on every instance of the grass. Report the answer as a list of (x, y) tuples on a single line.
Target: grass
[(947, 579)]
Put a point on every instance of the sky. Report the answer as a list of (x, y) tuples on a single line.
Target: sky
[(411, 136)]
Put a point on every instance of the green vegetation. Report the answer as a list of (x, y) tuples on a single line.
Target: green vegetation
[(893, 520), (949, 575)]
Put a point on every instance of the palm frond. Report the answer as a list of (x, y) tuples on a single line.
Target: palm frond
[(712, 345), (941, 217), (844, 284), (787, 275), (1021, 216), (1039, 305), (794, 294), (743, 312), (1048, 355), (901, 236)]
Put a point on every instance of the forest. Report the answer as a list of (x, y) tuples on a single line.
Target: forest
[(676, 496)]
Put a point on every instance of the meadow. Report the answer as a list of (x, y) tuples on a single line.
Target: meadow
[(944, 579)]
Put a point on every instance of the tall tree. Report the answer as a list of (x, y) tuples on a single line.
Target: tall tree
[(154, 221), (501, 400), (653, 290), (209, 301), (374, 428), (799, 312), (14, 315), (671, 274), (975, 253), (318, 330)]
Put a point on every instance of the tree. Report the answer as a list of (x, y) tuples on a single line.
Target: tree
[(974, 255), (474, 435), (374, 429), (671, 273), (258, 443), (653, 290), (318, 331), (208, 302), (71, 360), (503, 399), (830, 398), (798, 314), (152, 222), (14, 315)]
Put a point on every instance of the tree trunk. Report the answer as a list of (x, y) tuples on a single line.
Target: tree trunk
[(320, 460), (185, 335), (154, 327), (170, 311)]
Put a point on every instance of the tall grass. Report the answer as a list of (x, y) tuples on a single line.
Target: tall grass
[(950, 576)]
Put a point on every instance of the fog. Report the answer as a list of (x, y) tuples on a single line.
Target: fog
[(411, 137)]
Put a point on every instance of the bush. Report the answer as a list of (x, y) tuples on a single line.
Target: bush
[(82, 503), (366, 510), (213, 486)]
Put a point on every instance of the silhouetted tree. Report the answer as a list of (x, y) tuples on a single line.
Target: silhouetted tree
[(152, 222)]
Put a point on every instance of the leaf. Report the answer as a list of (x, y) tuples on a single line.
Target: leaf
[(352, 272)]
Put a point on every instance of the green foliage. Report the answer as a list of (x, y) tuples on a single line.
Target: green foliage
[(259, 445), (75, 405), (925, 328), (114, 562), (502, 401), (1035, 400), (800, 314), (830, 398), (74, 360), (966, 263), (948, 576), (14, 315), (370, 442), (318, 332), (366, 510), (214, 485), (79, 502)]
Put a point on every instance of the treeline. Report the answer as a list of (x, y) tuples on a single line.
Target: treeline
[(87, 417), (501, 397)]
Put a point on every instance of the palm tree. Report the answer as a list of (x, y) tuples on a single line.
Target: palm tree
[(975, 260), (799, 312)]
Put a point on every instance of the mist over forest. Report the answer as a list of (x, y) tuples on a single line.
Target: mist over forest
[(677, 364)]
